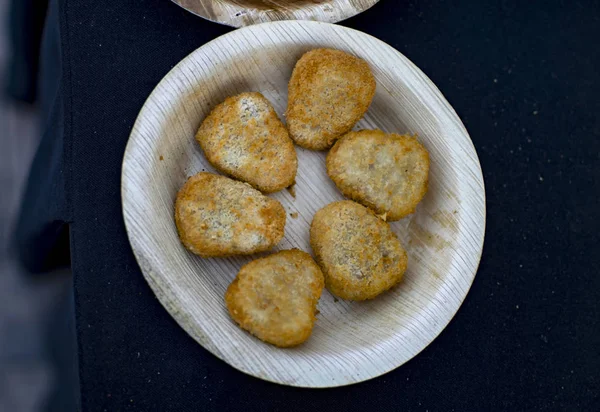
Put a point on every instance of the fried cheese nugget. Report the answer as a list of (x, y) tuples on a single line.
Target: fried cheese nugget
[(386, 172), (275, 298), (218, 216), (244, 138), (359, 254), (329, 92)]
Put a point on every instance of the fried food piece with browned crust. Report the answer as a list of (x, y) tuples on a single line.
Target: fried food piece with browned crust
[(275, 298), (359, 254), (244, 138), (218, 216), (329, 92), (386, 172)]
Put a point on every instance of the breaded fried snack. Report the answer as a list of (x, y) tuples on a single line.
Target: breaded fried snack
[(359, 254), (244, 138), (275, 298), (218, 216), (385, 172), (329, 92)]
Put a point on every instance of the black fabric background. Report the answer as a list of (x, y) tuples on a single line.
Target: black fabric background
[(523, 77), (25, 21)]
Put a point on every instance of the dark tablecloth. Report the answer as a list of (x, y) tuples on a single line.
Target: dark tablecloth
[(523, 77)]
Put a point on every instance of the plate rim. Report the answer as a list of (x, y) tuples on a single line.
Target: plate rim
[(239, 23), (479, 175)]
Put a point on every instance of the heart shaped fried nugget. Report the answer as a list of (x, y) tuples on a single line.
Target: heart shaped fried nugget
[(218, 216), (386, 172), (329, 92), (275, 298), (359, 254), (244, 138)]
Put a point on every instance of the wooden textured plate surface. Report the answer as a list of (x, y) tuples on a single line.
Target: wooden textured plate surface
[(351, 342), (240, 13)]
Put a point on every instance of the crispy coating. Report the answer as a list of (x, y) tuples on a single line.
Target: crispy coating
[(218, 216), (386, 172), (244, 138), (329, 92), (275, 298), (359, 254)]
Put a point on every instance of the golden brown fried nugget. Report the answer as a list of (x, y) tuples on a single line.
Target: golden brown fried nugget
[(218, 216), (386, 172), (244, 138), (359, 254), (275, 298), (328, 93)]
